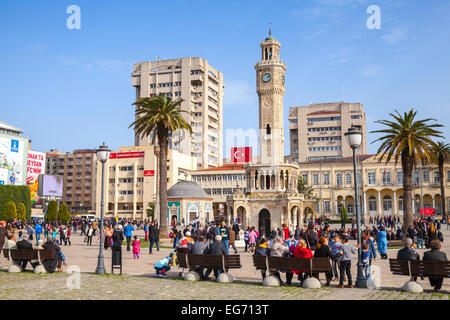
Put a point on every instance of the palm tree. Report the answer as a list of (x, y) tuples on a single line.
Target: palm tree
[(441, 153), (160, 117), (411, 141)]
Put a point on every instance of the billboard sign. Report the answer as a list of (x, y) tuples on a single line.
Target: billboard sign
[(427, 212), (240, 155), (35, 167), (13, 154), (149, 173), (50, 185), (124, 155)]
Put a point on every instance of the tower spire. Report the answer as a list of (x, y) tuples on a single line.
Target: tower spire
[(270, 30)]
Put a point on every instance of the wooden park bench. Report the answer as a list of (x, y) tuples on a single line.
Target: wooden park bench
[(194, 261), (311, 265), (17, 256), (416, 268), (395, 243)]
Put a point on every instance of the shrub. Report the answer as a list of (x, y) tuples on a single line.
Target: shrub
[(9, 212), (52, 211)]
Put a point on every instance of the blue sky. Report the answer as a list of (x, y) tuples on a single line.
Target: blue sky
[(70, 89)]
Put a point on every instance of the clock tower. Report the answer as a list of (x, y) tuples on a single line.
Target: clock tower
[(270, 79)]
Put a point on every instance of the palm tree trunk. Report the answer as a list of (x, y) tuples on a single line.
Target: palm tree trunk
[(408, 214), (156, 211), (441, 181), (163, 185)]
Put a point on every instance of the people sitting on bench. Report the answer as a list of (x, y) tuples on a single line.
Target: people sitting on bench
[(435, 254), (263, 250), (323, 250), (301, 251), (278, 249), (216, 248), (51, 265), (24, 244), (10, 243), (408, 253), (200, 247)]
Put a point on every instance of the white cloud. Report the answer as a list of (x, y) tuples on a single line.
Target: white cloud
[(343, 55), (396, 35), (108, 65), (371, 70), (239, 93)]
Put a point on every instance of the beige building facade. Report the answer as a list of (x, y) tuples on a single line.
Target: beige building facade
[(201, 87), (130, 180), (381, 186), (78, 169), (317, 131)]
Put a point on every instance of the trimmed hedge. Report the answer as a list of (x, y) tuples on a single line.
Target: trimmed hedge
[(16, 194)]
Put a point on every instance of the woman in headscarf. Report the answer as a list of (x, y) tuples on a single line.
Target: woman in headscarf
[(382, 242)]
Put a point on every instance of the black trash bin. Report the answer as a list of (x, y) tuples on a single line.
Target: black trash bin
[(116, 259)]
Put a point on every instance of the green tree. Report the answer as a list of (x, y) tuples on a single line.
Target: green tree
[(9, 212), (305, 189), (411, 142), (52, 211), (441, 153), (160, 117), (16, 194), (21, 213), (151, 210), (63, 214)]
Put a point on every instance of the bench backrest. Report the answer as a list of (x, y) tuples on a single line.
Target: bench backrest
[(318, 264), (29, 254), (435, 268), (405, 267), (208, 261)]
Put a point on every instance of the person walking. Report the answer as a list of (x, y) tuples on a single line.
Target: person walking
[(136, 247), (252, 239), (154, 237), (382, 242), (146, 231), (225, 234), (128, 230), (38, 232), (246, 234), (232, 241), (90, 234)]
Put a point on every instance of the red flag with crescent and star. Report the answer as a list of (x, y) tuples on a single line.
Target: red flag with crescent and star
[(241, 154)]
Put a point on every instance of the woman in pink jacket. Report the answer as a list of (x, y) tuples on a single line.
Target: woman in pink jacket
[(252, 239)]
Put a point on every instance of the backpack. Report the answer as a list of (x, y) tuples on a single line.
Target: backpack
[(440, 236)]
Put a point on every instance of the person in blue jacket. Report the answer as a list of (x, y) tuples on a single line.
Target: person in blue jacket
[(382, 242), (38, 231), (128, 231)]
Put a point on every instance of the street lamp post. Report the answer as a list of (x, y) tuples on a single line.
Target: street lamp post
[(355, 137), (102, 155)]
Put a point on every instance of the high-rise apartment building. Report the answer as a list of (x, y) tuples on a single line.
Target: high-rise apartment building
[(79, 172), (201, 88), (317, 131)]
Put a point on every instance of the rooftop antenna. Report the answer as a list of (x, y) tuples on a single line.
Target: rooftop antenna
[(343, 100)]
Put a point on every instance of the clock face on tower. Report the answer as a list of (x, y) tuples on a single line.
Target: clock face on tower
[(266, 77)]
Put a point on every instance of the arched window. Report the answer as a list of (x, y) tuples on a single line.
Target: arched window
[(339, 179), (268, 129), (348, 178), (372, 204)]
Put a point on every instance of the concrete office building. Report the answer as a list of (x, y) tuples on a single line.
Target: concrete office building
[(78, 169), (131, 180), (201, 88), (317, 131)]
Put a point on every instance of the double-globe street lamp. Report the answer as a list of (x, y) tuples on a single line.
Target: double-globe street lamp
[(102, 156), (355, 137)]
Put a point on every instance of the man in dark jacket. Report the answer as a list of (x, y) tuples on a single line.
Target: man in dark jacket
[(408, 253), (154, 237), (216, 248), (51, 265), (24, 244), (236, 230), (200, 247), (3, 235), (435, 254)]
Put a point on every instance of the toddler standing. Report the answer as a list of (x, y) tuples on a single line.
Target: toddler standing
[(136, 247)]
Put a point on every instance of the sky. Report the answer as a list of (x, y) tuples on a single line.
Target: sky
[(71, 88)]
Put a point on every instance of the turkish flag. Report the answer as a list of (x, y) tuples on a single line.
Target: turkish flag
[(428, 211), (243, 154)]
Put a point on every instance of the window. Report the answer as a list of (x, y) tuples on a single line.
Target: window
[(326, 206), (372, 203), (436, 177), (448, 175), (387, 203), (426, 176), (316, 207), (400, 178), (326, 178), (400, 203), (315, 179), (356, 117), (305, 177), (371, 178), (386, 178), (339, 179), (416, 178), (348, 178)]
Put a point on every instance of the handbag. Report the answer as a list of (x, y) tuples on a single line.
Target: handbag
[(85, 239)]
